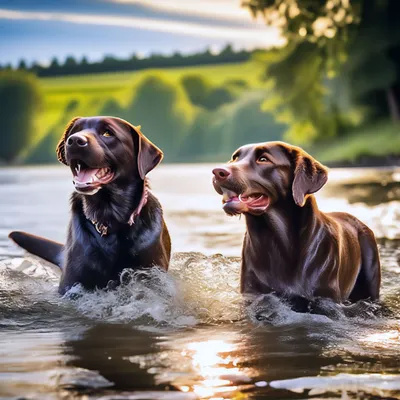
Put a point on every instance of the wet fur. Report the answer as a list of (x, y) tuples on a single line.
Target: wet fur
[(88, 258), (293, 249)]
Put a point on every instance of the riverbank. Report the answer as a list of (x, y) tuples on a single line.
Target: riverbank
[(375, 145)]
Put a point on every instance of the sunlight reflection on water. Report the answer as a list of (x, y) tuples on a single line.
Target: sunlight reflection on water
[(189, 329)]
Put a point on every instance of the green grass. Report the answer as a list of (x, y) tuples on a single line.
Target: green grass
[(91, 91), (378, 139)]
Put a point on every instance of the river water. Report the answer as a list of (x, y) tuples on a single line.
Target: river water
[(187, 334)]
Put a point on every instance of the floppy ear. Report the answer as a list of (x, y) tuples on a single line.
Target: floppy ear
[(309, 177), (60, 149), (149, 155)]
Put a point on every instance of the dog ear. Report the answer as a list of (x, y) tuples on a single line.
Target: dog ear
[(149, 155), (309, 177), (60, 149)]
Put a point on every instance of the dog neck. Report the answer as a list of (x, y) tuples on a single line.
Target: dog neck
[(115, 204), (284, 229)]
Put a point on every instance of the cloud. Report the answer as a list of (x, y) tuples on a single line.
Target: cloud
[(256, 36), (218, 9)]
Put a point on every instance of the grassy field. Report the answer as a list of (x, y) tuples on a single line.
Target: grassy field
[(91, 91), (85, 95), (375, 140)]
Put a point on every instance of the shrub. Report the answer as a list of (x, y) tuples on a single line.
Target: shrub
[(112, 108), (239, 83), (44, 150), (164, 112), (197, 88), (219, 96), (250, 124), (20, 100)]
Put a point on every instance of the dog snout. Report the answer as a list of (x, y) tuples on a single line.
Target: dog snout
[(221, 174), (77, 140)]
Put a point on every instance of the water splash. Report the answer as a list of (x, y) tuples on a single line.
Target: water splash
[(195, 290)]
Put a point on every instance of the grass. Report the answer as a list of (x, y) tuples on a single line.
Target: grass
[(91, 91), (379, 139)]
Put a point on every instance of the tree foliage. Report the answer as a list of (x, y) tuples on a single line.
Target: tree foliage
[(204, 94), (72, 66), (339, 67), (197, 88), (163, 110), (20, 99)]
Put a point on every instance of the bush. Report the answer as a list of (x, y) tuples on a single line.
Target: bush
[(250, 124), (112, 108), (202, 93), (197, 88), (20, 100), (219, 96), (214, 135), (45, 150), (239, 83), (164, 112)]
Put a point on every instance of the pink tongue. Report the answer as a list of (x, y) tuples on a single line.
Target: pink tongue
[(259, 201), (85, 175)]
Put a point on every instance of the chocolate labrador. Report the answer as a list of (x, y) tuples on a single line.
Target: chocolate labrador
[(116, 221), (291, 248)]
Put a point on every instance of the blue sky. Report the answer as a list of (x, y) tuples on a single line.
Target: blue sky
[(39, 30)]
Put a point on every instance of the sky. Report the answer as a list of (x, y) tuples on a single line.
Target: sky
[(38, 30)]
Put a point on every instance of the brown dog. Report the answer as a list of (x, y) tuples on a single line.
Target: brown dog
[(290, 247)]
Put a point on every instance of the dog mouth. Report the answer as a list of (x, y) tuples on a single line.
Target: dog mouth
[(89, 180), (252, 203)]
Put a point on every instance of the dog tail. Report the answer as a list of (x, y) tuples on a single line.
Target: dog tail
[(41, 247)]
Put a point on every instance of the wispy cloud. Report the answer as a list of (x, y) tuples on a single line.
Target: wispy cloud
[(256, 36), (219, 9)]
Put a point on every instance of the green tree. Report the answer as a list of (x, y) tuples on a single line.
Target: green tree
[(22, 65), (219, 96), (163, 110), (197, 88), (20, 100), (54, 63), (70, 62), (341, 59)]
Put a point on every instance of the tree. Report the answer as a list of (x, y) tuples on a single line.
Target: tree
[(219, 96), (70, 62), (197, 88), (337, 52), (54, 63), (22, 65), (20, 100), (163, 110)]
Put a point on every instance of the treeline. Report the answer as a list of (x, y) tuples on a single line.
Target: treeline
[(72, 66)]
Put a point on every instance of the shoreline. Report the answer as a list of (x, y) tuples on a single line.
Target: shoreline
[(366, 162)]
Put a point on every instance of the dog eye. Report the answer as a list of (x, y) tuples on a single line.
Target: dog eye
[(234, 158), (262, 159), (107, 134)]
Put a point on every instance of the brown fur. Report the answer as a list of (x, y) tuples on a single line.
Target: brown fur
[(292, 248)]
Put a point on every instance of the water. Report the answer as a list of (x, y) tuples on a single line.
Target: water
[(187, 334)]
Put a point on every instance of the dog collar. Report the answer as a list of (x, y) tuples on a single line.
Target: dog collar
[(103, 229)]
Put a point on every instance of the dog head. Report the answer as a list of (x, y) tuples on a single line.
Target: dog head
[(101, 150), (260, 175)]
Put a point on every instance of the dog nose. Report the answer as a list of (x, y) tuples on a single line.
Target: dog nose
[(221, 173), (77, 140)]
